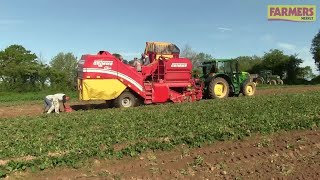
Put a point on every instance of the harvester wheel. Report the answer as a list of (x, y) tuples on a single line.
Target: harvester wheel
[(125, 100), (218, 88), (248, 88)]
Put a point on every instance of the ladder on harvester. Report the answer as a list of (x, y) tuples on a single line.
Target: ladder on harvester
[(159, 73), (148, 90)]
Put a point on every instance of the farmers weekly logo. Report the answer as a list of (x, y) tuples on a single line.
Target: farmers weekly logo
[(298, 13)]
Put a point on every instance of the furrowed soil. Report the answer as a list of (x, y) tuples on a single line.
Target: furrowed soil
[(37, 109), (285, 155)]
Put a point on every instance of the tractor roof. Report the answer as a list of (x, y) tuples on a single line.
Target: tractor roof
[(161, 48), (217, 60), (205, 63)]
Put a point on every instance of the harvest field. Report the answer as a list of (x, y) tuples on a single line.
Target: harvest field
[(273, 134)]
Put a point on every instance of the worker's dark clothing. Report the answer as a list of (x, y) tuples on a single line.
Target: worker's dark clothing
[(146, 60), (137, 64), (47, 104)]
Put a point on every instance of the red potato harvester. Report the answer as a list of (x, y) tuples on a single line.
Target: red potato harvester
[(168, 78)]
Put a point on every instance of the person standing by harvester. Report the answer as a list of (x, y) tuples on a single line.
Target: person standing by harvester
[(137, 64), (52, 102), (145, 59)]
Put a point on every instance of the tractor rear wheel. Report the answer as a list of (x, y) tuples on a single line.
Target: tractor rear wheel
[(125, 100), (248, 88), (273, 82), (259, 81), (218, 88), (280, 81)]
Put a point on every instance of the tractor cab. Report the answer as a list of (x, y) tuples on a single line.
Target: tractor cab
[(218, 66), (223, 78), (266, 77), (267, 74)]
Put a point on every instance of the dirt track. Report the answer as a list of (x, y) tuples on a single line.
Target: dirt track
[(35, 109)]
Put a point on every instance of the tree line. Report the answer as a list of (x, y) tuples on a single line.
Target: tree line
[(288, 67), (24, 71)]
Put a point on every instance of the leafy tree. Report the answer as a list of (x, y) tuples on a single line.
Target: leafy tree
[(306, 73), (248, 63), (196, 58), (315, 49), (64, 70), (201, 57), (257, 68), (131, 62), (19, 69), (276, 61), (44, 75), (117, 55), (187, 52), (292, 68)]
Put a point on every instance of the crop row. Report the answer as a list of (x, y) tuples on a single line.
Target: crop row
[(12, 98), (80, 135)]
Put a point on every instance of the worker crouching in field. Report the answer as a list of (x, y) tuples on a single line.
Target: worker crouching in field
[(52, 102)]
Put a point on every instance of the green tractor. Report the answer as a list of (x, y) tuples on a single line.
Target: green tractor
[(266, 77), (222, 78)]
